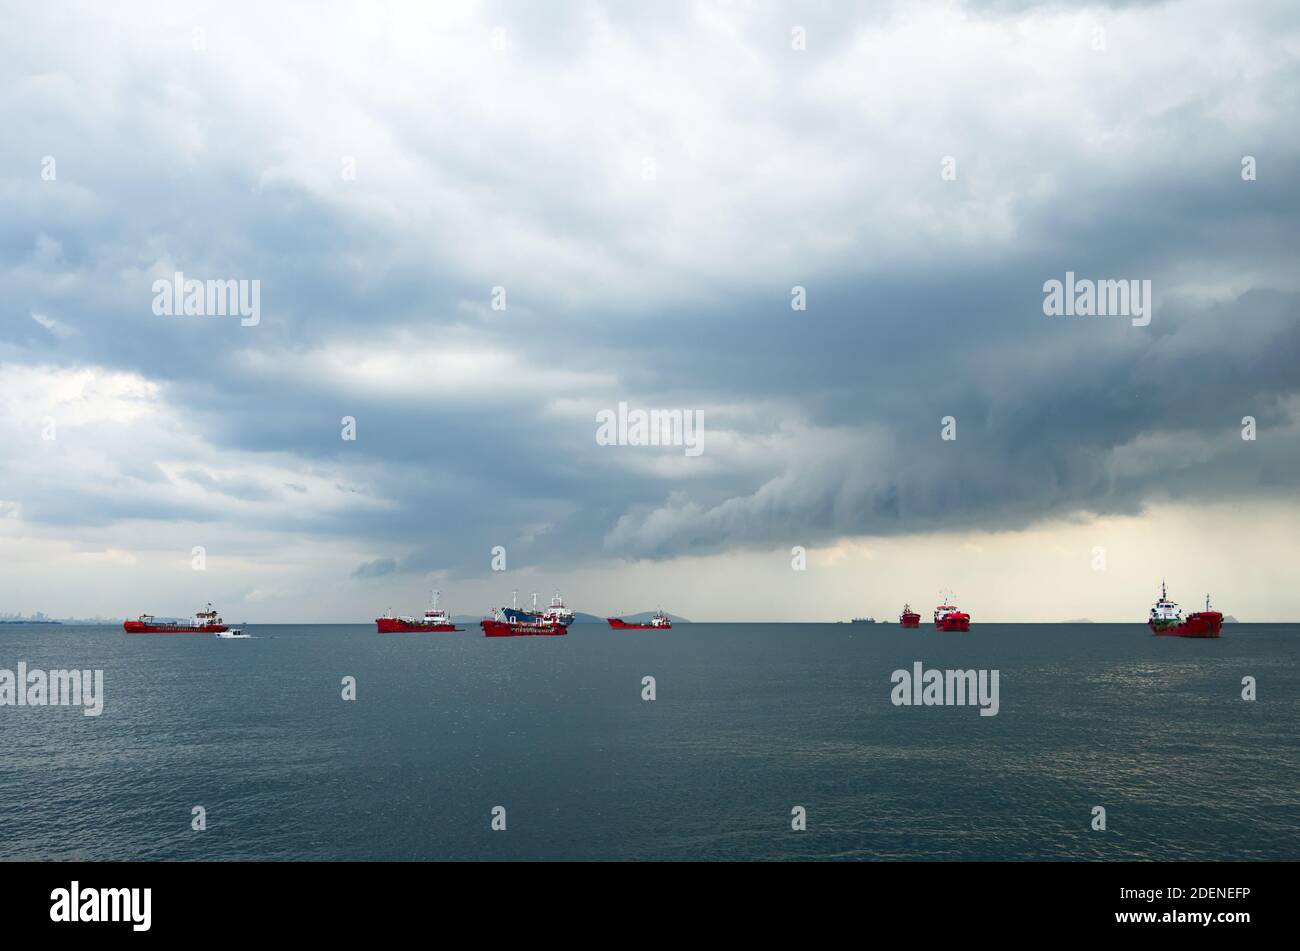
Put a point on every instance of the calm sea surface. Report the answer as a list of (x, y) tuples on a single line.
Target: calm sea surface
[(749, 721)]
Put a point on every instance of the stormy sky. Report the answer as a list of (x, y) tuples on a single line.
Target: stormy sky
[(643, 187)]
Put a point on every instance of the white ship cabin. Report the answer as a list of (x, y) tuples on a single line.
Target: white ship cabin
[(946, 608), (557, 608), (1164, 609), (204, 618), (433, 615)]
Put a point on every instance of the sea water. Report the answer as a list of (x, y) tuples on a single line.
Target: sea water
[(749, 725)]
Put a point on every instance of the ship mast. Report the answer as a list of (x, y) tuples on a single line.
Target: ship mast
[(514, 599)]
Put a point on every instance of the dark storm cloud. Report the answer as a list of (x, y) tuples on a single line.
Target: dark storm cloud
[(926, 303)]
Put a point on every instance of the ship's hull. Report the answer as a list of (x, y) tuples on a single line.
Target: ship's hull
[(395, 625), (527, 617), (140, 627), (493, 628), (619, 624), (953, 622), (1200, 624), (910, 620)]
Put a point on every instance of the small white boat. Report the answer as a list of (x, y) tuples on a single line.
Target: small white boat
[(235, 632)]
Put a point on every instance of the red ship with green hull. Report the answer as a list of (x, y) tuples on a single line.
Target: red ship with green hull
[(1166, 619)]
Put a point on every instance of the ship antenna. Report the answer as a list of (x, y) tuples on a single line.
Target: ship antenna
[(435, 599)]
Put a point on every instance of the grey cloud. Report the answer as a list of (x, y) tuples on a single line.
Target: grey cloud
[(910, 316), (244, 489), (375, 569)]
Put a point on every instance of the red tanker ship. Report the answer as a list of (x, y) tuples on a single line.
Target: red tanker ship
[(1166, 619), (434, 621), (909, 618), (203, 622), (659, 622), (499, 626), (947, 617)]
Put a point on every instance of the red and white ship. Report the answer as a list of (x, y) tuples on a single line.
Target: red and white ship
[(434, 621), (500, 626), (557, 613), (948, 617), (1166, 619), (203, 622), (658, 622), (909, 618)]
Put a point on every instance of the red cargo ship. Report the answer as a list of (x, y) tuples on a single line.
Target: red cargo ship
[(500, 627), (1166, 619), (947, 617), (434, 621), (659, 622), (909, 618), (203, 622)]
